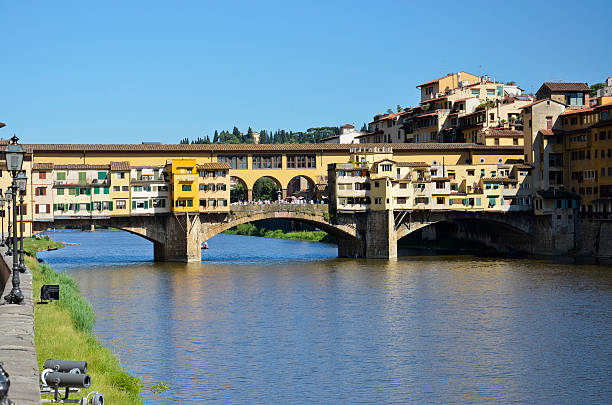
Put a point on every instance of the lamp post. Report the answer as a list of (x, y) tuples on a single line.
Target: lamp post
[(9, 199), (22, 182), (14, 160), (2, 202)]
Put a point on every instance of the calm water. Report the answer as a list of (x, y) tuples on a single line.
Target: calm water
[(272, 321)]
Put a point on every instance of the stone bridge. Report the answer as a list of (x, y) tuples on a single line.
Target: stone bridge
[(371, 234)]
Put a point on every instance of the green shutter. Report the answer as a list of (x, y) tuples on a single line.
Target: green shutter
[(60, 191), (133, 205), (96, 190), (66, 207), (88, 191), (82, 177), (54, 207), (101, 175), (72, 191), (106, 190), (61, 175), (110, 206), (478, 201), (146, 204)]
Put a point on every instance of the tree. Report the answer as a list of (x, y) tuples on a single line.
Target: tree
[(265, 189), (216, 137), (184, 141), (389, 111), (238, 193), (249, 136), (596, 87), (364, 127), (399, 108)]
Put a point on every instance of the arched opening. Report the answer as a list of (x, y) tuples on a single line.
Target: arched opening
[(238, 190), (267, 189), (467, 236), (302, 188)]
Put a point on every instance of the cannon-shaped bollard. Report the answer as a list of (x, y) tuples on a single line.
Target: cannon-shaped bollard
[(65, 366)]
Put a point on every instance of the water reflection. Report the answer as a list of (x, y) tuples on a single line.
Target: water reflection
[(263, 321)]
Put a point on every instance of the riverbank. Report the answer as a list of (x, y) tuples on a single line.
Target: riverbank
[(64, 330), (309, 236)]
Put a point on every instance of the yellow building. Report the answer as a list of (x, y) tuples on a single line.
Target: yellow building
[(214, 187), (184, 184), (119, 191)]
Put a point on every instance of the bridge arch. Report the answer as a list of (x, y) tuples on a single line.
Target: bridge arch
[(294, 186), (492, 232), (340, 232), (260, 191)]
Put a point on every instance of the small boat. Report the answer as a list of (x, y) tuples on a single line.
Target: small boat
[(205, 245), (68, 243)]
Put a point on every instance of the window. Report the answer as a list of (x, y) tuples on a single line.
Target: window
[(401, 200), (186, 187), (491, 116), (42, 175), (61, 175), (497, 141), (403, 185), (41, 191), (376, 184), (96, 190), (574, 98), (475, 92), (235, 162), (515, 141), (386, 167), (440, 200), (490, 92), (470, 172), (125, 188), (116, 188), (121, 204), (101, 175), (301, 161), (106, 189), (549, 122), (440, 185), (377, 200), (59, 191), (267, 162)]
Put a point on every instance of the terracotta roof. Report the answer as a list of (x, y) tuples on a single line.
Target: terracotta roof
[(437, 80), (546, 131), (434, 99), (412, 164), (463, 99), (539, 101), (567, 86), (577, 110), (214, 166), (122, 166), (42, 166), (379, 132), (81, 167), (225, 148), (426, 115), (503, 132), (347, 126)]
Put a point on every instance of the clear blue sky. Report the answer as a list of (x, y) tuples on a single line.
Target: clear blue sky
[(133, 71)]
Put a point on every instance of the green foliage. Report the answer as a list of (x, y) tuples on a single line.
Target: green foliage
[(364, 127), (595, 87), (486, 104), (265, 189), (184, 141), (399, 108), (311, 135), (127, 382), (160, 388), (389, 111), (238, 193), (251, 230)]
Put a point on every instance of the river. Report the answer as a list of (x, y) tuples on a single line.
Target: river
[(263, 321)]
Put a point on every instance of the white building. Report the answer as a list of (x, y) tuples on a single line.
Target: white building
[(347, 135)]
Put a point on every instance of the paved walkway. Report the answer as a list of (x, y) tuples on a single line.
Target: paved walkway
[(17, 350)]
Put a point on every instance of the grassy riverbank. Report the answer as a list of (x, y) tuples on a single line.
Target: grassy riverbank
[(63, 330), (311, 236)]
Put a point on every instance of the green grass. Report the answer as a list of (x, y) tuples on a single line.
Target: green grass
[(63, 330), (32, 245), (251, 230)]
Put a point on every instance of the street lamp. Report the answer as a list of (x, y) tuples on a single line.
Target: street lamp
[(14, 160), (9, 199), (2, 202), (280, 193), (22, 182)]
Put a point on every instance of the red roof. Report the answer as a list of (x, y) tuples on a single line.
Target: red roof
[(577, 111), (547, 132), (539, 101)]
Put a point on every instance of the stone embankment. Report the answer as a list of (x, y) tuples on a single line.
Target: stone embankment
[(17, 350)]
